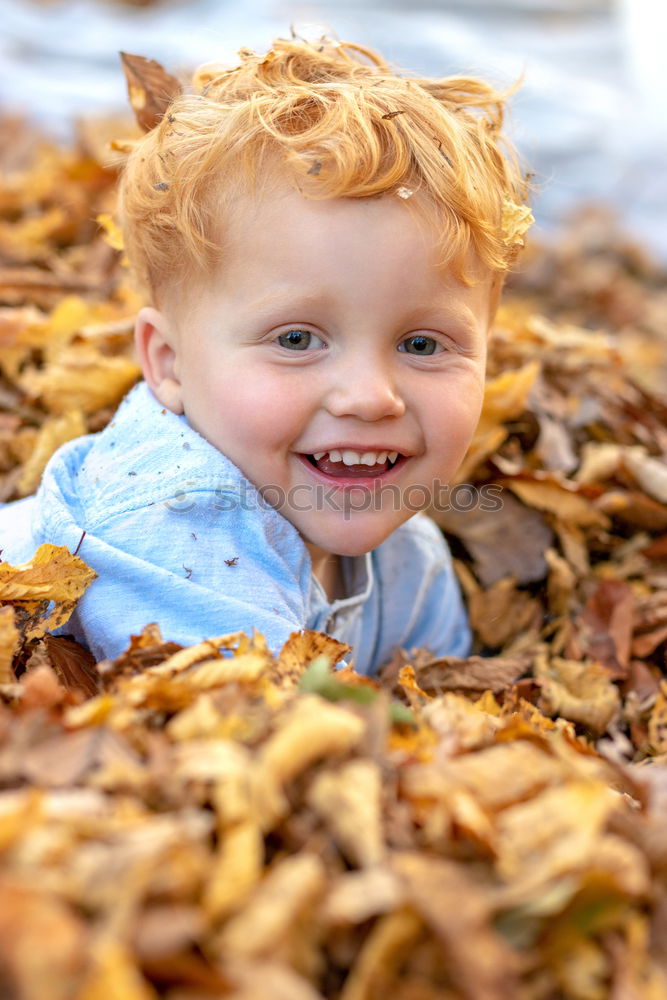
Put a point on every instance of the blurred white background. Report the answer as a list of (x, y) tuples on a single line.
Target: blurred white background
[(590, 118)]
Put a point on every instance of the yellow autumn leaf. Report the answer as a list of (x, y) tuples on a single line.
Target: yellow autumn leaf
[(81, 379), (237, 868), (114, 975), (9, 643), (349, 801), (112, 232), (515, 222), (53, 574), (53, 432), (505, 398), (299, 652), (552, 834), (271, 917), (657, 724), (29, 239)]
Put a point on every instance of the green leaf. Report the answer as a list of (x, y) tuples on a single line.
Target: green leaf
[(320, 679)]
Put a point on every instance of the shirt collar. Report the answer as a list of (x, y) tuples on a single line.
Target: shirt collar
[(358, 581)]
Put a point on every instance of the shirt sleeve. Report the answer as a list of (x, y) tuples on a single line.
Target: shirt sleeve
[(431, 606), (196, 573)]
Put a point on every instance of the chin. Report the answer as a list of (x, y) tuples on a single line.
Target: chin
[(353, 540)]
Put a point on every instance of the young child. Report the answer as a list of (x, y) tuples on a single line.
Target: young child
[(324, 244)]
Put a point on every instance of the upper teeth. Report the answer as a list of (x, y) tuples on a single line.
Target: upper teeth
[(349, 457)]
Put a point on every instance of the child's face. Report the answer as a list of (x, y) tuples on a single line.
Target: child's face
[(328, 337)]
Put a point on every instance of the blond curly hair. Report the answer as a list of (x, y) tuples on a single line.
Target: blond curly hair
[(337, 121)]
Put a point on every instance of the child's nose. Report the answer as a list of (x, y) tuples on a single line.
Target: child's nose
[(367, 391)]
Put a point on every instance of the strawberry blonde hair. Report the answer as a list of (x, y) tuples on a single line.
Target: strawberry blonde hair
[(337, 121)]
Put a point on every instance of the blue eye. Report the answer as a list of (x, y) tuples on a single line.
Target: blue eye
[(419, 344), (299, 340)]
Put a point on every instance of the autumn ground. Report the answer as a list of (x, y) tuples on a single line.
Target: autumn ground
[(211, 822)]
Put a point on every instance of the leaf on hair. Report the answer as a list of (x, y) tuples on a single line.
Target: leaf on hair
[(150, 88)]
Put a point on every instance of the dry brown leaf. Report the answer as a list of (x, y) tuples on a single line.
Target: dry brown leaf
[(73, 665), (301, 649), (650, 473), (606, 626), (114, 973), (497, 776), (150, 89), (259, 980), (502, 612), (236, 869), (560, 584), (459, 724), (552, 835), (479, 962), (356, 896), (277, 907), (598, 462), (507, 541), (349, 802), (310, 729), (184, 659), (582, 692), (373, 974), (474, 674), (162, 931), (43, 942), (564, 503)]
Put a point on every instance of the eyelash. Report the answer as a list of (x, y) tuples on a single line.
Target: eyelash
[(296, 350), (437, 347)]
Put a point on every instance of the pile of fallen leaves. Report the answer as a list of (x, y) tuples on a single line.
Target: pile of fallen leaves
[(216, 822)]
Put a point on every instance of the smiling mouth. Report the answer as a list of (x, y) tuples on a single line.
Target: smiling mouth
[(354, 465)]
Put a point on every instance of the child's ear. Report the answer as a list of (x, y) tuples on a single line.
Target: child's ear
[(155, 342)]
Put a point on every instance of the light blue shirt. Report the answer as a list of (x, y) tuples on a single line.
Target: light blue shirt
[(178, 536)]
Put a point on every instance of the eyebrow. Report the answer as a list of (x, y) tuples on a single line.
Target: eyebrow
[(287, 299)]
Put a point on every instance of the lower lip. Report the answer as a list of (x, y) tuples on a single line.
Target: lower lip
[(358, 482)]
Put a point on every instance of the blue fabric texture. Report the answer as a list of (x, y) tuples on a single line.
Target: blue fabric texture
[(179, 537)]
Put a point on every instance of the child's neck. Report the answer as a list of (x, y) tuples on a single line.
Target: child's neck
[(327, 571)]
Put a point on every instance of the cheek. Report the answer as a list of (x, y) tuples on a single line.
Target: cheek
[(256, 411), (453, 412)]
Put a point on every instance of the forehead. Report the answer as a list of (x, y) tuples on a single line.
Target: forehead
[(276, 240), (278, 222)]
